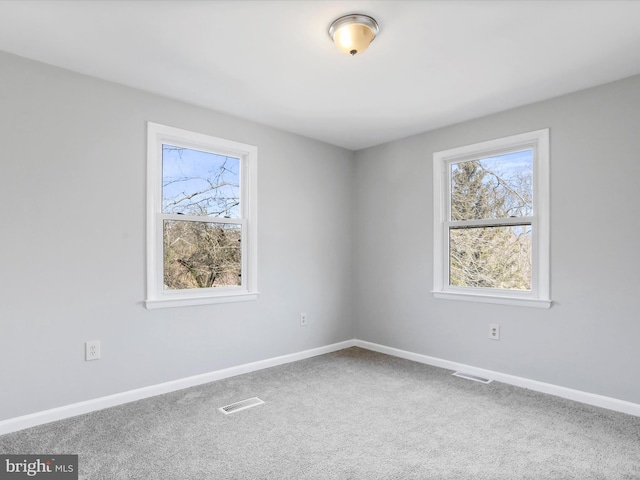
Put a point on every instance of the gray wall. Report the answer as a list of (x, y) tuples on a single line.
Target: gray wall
[(72, 190), (590, 339)]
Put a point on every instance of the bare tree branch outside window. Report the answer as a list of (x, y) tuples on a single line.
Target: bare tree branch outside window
[(200, 254), (491, 256)]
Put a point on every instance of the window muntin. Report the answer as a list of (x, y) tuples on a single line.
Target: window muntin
[(201, 219), (491, 238)]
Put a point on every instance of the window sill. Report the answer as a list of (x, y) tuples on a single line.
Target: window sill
[(497, 299), (190, 301)]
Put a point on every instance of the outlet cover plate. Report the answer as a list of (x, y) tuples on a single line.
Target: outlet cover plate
[(92, 350), (494, 331)]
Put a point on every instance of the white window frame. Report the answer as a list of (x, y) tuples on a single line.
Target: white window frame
[(157, 296), (539, 295)]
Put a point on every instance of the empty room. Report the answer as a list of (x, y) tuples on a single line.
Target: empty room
[(320, 239)]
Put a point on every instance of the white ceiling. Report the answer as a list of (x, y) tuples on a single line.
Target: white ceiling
[(433, 64)]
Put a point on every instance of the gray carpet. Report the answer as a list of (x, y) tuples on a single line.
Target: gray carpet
[(352, 414)]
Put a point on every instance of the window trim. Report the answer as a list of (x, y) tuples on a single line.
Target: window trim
[(539, 296), (157, 296)]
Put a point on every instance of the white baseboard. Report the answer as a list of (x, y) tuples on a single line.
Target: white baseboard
[(67, 411), (576, 395)]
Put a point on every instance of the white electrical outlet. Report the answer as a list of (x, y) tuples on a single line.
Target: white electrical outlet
[(92, 350), (303, 319), (494, 331)]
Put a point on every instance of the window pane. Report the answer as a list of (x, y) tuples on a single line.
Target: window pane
[(490, 257), (200, 183), (493, 187), (201, 255)]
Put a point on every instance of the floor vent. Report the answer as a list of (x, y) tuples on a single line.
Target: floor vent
[(475, 378), (236, 407)]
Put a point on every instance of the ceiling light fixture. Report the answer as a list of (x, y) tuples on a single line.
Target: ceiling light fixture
[(353, 33)]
